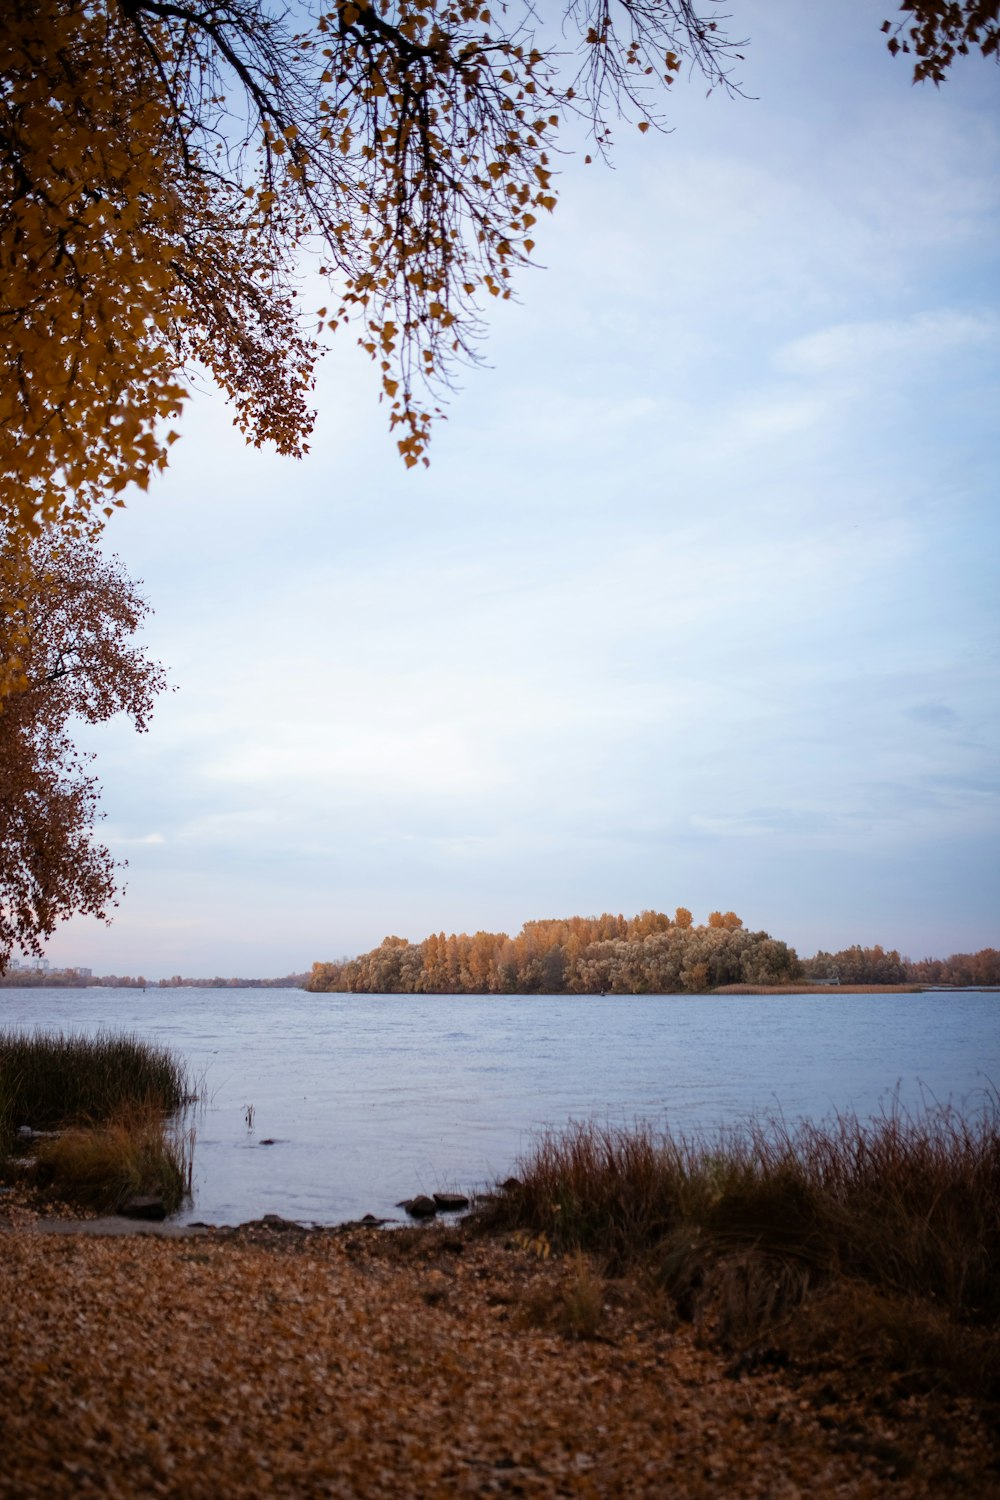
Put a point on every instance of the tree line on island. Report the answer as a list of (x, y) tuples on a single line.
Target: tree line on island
[(650, 953)]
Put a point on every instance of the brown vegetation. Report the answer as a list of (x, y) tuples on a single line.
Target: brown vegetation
[(166, 165), (960, 970), (858, 965), (421, 1363), (107, 1106), (877, 1242), (136, 1153), (790, 1312), (49, 1079), (67, 621), (938, 31), (650, 953)]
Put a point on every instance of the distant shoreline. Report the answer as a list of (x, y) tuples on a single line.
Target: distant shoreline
[(854, 989), (11, 983)]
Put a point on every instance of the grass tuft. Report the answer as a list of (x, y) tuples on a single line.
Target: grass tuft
[(102, 1167), (110, 1098), (49, 1079), (884, 1235), (575, 1309)]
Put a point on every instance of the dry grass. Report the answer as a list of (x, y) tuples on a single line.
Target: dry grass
[(880, 1237), (101, 1167), (6, 1113), (49, 1079), (110, 1097), (574, 1307)]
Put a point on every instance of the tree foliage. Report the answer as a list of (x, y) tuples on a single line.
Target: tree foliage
[(124, 259), (650, 953), (960, 969), (938, 31), (165, 161), (860, 965), (163, 166), (79, 662)]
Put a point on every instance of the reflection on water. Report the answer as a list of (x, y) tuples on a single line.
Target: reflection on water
[(370, 1098)]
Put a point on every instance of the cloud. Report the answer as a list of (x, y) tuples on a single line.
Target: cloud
[(939, 715), (874, 349), (694, 603), (413, 760)]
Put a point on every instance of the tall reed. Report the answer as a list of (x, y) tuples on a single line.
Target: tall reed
[(136, 1152), (49, 1079), (6, 1114), (742, 1229)]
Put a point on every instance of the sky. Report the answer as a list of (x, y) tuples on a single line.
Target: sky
[(696, 604)]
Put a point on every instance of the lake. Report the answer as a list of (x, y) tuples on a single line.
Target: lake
[(373, 1098)]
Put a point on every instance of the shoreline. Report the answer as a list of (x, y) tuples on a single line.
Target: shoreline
[(118, 1226), (804, 988)]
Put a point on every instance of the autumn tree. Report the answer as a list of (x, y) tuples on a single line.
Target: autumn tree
[(78, 661), (982, 968), (938, 31), (126, 256), (858, 965), (725, 919), (645, 954), (164, 163)]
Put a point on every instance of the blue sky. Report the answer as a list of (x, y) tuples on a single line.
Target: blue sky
[(695, 605)]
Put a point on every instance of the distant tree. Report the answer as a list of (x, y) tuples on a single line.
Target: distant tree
[(858, 965), (768, 961), (73, 626), (553, 971), (728, 920), (609, 954), (960, 969), (695, 977)]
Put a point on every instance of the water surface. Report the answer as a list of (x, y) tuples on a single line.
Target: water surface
[(372, 1098)]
